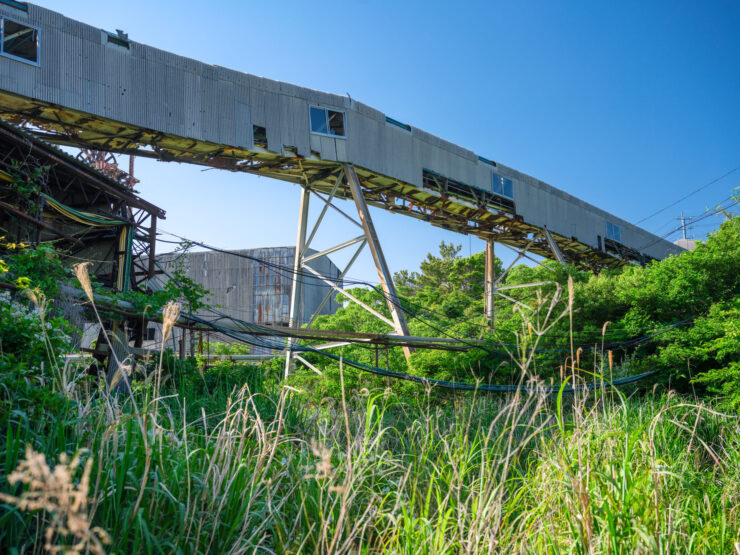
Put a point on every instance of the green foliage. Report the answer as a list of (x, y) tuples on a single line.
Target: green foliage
[(35, 267), (710, 351), (226, 349), (29, 342), (644, 316), (229, 463), (231, 459), (686, 285), (179, 288), (26, 184)]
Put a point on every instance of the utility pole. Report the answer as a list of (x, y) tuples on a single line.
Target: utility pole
[(683, 224), (490, 280)]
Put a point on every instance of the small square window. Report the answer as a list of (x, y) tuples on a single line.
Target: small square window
[(503, 186), (20, 41), (613, 232), (260, 136), (336, 123), (327, 122), (151, 334)]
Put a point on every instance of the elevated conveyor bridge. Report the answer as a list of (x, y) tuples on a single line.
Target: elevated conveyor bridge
[(78, 85), (86, 87)]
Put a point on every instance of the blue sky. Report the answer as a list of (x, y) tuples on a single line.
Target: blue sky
[(627, 105)]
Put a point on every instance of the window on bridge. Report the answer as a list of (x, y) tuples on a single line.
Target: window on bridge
[(613, 232), (259, 135), (20, 41), (503, 186), (327, 122)]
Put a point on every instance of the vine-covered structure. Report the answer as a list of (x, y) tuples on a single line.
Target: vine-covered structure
[(48, 196)]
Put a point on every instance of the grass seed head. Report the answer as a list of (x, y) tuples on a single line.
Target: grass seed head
[(83, 277), (65, 505), (123, 369), (323, 466), (170, 314), (39, 299)]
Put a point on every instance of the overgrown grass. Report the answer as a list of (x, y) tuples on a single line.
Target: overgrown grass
[(249, 468), (188, 460)]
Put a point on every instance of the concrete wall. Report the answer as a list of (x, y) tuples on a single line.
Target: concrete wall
[(154, 89)]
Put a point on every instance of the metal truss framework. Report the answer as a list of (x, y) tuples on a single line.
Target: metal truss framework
[(77, 186), (437, 202), (492, 281), (346, 176)]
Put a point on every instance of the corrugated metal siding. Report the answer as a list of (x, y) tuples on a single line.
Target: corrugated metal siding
[(159, 90), (257, 292)]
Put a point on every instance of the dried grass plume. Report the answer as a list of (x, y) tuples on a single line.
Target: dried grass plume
[(65, 504), (170, 314), (83, 277)]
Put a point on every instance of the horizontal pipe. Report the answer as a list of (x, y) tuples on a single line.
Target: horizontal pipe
[(126, 309)]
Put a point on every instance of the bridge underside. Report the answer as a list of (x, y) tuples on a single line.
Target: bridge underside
[(471, 211)]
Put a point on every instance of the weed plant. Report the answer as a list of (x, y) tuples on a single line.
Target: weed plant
[(189, 462)]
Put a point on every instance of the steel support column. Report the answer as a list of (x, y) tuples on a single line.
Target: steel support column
[(554, 247), (490, 284), (386, 280), (296, 292)]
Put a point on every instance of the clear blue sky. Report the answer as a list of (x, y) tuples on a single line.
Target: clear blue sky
[(628, 105)]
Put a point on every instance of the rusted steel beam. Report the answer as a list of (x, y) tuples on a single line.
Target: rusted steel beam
[(152, 244), (490, 281), (86, 176)]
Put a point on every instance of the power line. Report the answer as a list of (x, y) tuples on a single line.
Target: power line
[(441, 328), (446, 384), (714, 212), (692, 193)]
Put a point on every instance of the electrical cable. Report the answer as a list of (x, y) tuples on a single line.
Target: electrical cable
[(447, 384), (733, 170), (694, 220), (290, 270)]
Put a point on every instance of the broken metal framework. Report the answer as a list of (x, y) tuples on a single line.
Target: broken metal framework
[(80, 209)]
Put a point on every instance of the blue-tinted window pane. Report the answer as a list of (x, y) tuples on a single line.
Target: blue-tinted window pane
[(508, 188), (503, 186), (318, 120), (497, 185), (613, 232)]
